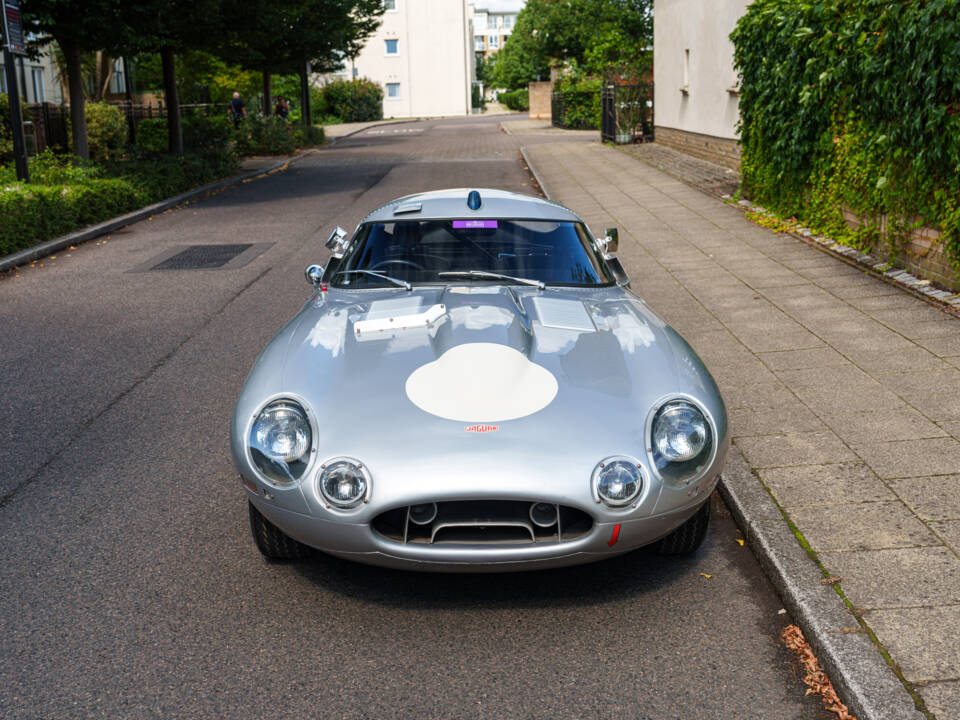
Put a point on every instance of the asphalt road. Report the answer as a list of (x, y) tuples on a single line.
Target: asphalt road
[(129, 585)]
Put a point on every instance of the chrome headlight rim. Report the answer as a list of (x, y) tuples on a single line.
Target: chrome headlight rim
[(333, 504), (684, 480), (629, 503), (308, 457)]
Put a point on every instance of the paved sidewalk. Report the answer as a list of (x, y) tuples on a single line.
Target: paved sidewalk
[(843, 393)]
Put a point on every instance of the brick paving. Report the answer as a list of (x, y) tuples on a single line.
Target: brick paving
[(842, 390)]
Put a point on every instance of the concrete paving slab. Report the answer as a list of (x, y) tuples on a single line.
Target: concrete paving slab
[(909, 359), (949, 532), (951, 426), (907, 577), (942, 699), (800, 448), (902, 423), (917, 640), (865, 526), (820, 357), (819, 485), (948, 346), (745, 422), (931, 498), (912, 458)]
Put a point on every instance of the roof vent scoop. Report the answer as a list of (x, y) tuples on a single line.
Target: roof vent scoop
[(473, 200)]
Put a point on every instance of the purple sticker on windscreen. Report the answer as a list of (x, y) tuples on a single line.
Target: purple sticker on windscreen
[(474, 224)]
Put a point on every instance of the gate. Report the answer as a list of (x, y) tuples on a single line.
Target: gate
[(626, 113)]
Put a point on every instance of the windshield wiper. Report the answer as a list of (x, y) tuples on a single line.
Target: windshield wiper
[(492, 276), (402, 283)]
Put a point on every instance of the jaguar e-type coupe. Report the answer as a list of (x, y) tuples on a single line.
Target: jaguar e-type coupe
[(473, 387)]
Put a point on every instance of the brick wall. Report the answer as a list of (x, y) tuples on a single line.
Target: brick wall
[(922, 254), (721, 151), (540, 100)]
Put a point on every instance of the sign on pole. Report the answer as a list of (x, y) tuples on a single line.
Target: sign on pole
[(13, 27), (13, 42)]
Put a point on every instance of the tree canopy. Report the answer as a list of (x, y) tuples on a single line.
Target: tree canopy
[(606, 38)]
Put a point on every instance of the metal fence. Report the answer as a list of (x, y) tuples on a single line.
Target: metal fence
[(48, 126), (626, 114)]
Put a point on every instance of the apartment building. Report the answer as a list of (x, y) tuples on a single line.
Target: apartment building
[(37, 80), (493, 22), (422, 55)]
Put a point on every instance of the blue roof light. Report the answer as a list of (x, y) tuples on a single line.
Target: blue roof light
[(473, 200)]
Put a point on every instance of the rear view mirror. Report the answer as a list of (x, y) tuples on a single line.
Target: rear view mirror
[(337, 242), (611, 240)]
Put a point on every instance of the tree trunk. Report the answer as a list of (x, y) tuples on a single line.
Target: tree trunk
[(174, 126), (78, 116), (267, 94), (305, 95)]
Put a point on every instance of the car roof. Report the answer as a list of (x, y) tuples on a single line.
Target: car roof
[(452, 203)]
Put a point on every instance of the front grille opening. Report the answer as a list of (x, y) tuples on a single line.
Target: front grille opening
[(501, 522)]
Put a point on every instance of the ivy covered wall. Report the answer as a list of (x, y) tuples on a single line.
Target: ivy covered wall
[(854, 104)]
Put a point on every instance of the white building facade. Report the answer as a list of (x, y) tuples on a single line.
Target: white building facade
[(695, 92), (422, 56)]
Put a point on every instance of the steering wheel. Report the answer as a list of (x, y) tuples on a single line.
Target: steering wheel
[(397, 261)]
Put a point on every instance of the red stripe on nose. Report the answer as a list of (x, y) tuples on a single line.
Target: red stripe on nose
[(615, 536)]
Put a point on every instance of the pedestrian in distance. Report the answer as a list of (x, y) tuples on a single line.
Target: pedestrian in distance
[(282, 108), (237, 110)]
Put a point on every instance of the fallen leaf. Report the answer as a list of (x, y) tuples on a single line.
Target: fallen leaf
[(781, 611), (832, 580), (816, 680), (739, 542), (72, 248), (707, 576)]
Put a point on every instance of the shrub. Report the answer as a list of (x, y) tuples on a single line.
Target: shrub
[(151, 136), (6, 133), (578, 103), (265, 136), (207, 134), (354, 100), (516, 99), (48, 168), (106, 131), (32, 213)]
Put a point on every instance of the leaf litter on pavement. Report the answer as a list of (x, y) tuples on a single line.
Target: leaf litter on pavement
[(816, 679)]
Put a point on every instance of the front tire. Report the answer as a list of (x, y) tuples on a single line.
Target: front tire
[(272, 541), (689, 536)]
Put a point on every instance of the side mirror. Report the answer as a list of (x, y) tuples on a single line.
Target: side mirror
[(313, 273), (337, 242), (611, 240)]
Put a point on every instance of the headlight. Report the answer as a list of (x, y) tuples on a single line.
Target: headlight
[(343, 483), (280, 440), (618, 481), (681, 440)]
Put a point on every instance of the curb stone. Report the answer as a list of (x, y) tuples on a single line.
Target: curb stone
[(57, 244), (851, 660)]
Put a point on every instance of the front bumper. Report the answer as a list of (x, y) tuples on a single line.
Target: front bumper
[(361, 543)]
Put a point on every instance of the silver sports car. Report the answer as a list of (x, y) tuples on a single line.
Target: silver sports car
[(472, 386)]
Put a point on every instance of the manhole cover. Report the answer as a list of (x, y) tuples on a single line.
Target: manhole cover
[(202, 257)]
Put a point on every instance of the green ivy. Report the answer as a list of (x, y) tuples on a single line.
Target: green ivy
[(853, 104)]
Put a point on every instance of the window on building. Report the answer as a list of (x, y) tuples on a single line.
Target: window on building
[(478, 43), (39, 94), (508, 21), (393, 90), (392, 47), (494, 41), (491, 22), (389, 4)]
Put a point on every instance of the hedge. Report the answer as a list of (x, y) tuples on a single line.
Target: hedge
[(515, 99), (853, 104), (358, 100)]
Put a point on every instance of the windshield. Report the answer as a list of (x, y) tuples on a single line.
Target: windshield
[(555, 253)]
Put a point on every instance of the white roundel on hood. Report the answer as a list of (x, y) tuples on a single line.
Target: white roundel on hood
[(481, 382)]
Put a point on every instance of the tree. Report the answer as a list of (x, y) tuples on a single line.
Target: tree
[(77, 26), (170, 27), (285, 36), (605, 37)]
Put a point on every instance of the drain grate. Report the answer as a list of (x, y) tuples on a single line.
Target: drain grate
[(202, 257)]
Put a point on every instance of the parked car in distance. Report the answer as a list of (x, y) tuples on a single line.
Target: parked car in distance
[(473, 386)]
